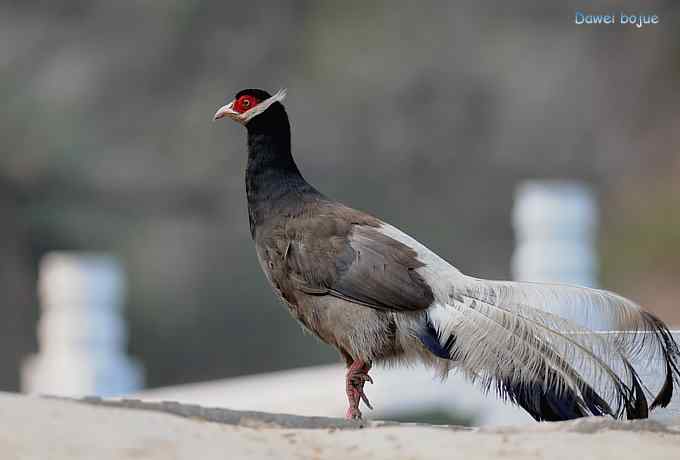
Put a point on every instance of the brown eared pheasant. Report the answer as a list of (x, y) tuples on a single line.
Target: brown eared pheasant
[(377, 296)]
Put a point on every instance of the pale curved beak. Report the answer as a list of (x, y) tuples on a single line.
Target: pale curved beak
[(227, 111)]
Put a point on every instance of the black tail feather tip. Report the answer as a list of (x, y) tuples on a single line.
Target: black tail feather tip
[(549, 405), (671, 354), (545, 404)]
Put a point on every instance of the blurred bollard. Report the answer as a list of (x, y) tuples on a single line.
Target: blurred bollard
[(556, 229), (81, 332)]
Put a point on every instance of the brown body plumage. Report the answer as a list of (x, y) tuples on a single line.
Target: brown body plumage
[(314, 257)]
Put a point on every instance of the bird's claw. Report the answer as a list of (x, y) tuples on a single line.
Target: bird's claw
[(356, 395), (365, 399), (357, 376), (353, 413), (359, 379)]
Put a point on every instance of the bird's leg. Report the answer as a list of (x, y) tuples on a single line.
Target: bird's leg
[(357, 375)]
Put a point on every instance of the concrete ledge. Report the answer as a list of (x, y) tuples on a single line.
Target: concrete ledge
[(59, 429), (251, 419), (398, 393)]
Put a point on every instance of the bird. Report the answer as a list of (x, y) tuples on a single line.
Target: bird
[(379, 297)]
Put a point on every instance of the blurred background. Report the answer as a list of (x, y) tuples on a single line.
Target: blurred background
[(427, 114)]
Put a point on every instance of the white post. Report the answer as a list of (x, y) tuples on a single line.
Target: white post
[(81, 333), (556, 229)]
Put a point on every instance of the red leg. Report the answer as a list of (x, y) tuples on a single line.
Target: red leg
[(357, 375)]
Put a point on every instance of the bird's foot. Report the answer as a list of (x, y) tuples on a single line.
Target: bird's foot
[(355, 396), (353, 413), (357, 376)]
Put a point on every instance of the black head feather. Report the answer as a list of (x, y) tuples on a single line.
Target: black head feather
[(259, 94)]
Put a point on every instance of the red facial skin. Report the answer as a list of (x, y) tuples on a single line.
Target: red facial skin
[(245, 103)]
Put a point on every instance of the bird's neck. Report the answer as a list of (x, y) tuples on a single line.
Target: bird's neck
[(271, 171), (273, 180)]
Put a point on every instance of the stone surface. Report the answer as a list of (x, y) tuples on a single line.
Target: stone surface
[(42, 428), (398, 394)]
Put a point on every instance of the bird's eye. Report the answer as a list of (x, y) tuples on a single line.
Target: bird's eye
[(245, 103)]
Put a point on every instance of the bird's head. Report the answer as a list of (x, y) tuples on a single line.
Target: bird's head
[(248, 104)]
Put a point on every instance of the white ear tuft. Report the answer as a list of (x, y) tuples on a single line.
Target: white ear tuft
[(280, 94), (264, 105)]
